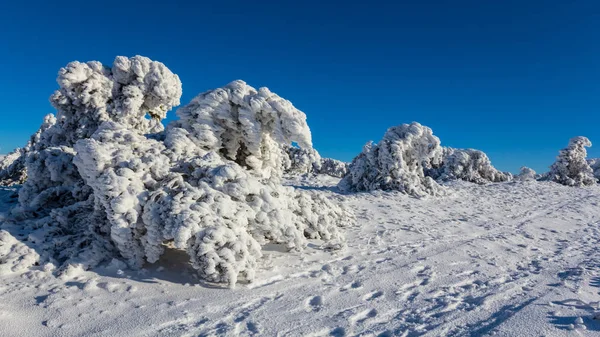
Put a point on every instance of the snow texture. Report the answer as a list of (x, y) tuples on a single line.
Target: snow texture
[(571, 167), (499, 259), (14, 255), (106, 180), (398, 162)]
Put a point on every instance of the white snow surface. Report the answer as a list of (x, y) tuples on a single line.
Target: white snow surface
[(504, 259)]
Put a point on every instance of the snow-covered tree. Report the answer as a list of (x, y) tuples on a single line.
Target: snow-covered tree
[(571, 167), (106, 181), (333, 167), (302, 161), (595, 165), (469, 165), (12, 166), (526, 174), (398, 162)]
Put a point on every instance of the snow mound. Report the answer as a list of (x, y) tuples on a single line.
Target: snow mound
[(469, 165), (108, 181), (398, 162), (14, 255), (571, 167)]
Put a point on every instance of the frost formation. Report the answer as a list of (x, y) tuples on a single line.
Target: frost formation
[(571, 167), (106, 179)]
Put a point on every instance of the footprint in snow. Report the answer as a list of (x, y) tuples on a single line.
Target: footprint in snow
[(314, 303), (373, 295)]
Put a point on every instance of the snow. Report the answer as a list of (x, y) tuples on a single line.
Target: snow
[(510, 259)]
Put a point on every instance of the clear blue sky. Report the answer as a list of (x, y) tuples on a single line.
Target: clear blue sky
[(515, 79)]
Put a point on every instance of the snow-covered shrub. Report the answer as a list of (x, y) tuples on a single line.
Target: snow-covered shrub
[(398, 162), (333, 167), (571, 167), (526, 174), (245, 125), (302, 161), (128, 92), (469, 165), (595, 165), (12, 166), (105, 181)]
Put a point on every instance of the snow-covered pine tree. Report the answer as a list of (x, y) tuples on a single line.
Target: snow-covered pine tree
[(571, 167)]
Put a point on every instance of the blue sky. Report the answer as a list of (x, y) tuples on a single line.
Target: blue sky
[(515, 79)]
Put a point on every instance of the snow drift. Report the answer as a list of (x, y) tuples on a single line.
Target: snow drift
[(107, 180)]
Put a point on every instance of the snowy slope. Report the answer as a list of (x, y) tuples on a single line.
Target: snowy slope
[(510, 259)]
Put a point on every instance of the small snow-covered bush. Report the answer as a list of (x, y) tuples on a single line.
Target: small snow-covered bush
[(526, 174), (571, 167), (595, 165), (12, 167), (469, 165), (398, 162), (107, 180), (302, 161), (333, 167)]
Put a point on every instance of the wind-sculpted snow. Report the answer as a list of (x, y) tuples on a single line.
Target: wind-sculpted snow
[(469, 165), (105, 182), (397, 162), (571, 167)]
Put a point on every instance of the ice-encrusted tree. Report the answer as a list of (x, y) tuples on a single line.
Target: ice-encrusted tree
[(398, 162), (469, 165), (571, 167), (107, 182)]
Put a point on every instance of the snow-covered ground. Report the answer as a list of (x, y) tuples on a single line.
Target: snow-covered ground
[(509, 259)]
